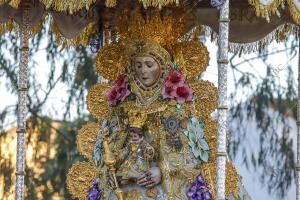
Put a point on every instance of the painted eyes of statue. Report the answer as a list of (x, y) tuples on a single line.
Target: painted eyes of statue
[(149, 64)]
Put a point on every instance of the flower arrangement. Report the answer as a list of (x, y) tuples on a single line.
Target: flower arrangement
[(199, 190), (197, 143), (119, 91), (175, 88)]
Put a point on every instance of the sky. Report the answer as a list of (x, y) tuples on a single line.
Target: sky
[(59, 96)]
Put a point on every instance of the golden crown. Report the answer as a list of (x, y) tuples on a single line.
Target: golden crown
[(137, 119)]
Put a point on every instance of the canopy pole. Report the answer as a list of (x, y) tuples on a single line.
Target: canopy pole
[(222, 100), (22, 104), (298, 129)]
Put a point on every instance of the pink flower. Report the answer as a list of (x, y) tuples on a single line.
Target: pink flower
[(113, 97), (123, 92), (183, 93), (174, 79), (167, 92), (119, 91), (122, 81)]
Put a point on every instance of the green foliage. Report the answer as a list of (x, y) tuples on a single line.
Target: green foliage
[(271, 106)]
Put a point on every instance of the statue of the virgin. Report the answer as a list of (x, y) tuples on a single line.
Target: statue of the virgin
[(155, 138)]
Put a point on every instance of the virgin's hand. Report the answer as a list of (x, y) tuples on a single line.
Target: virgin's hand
[(150, 178)]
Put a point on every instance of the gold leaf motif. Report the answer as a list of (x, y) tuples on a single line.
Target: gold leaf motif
[(192, 57), (80, 179), (97, 102), (111, 61), (86, 139)]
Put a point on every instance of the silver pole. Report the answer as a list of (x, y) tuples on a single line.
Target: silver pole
[(222, 101), (298, 129), (22, 105)]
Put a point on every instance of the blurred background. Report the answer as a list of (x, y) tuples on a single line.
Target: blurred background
[(262, 127)]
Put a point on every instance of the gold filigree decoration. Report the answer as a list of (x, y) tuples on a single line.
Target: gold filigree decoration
[(192, 57), (265, 10), (294, 11), (158, 3), (70, 6), (206, 99), (86, 139), (97, 102), (111, 61), (80, 179), (81, 39)]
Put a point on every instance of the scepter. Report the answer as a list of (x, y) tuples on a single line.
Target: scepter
[(110, 161)]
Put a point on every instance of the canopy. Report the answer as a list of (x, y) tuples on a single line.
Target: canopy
[(253, 25)]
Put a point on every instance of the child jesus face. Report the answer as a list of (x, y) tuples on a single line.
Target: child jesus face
[(135, 135)]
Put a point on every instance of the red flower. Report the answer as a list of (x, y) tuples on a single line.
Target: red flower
[(174, 79), (183, 94)]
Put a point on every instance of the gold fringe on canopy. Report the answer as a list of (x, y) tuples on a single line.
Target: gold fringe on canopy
[(11, 25), (266, 10), (111, 3), (70, 6), (81, 39), (158, 3), (294, 11), (12, 3), (6, 27)]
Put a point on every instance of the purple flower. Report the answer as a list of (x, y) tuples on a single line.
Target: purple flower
[(200, 180), (199, 190), (206, 195), (94, 193)]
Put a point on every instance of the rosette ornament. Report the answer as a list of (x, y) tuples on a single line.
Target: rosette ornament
[(198, 145)]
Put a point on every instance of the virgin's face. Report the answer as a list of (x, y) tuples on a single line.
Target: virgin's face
[(147, 70)]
